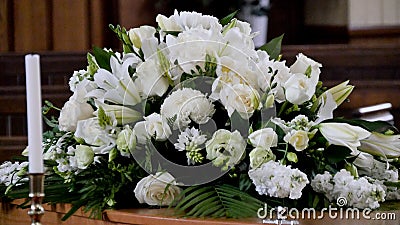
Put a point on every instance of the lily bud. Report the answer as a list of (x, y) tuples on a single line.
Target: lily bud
[(123, 115), (341, 91)]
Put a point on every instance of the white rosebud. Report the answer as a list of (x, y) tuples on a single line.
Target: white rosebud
[(84, 156), (126, 141), (158, 190), (298, 139), (259, 156), (226, 149), (343, 134), (264, 138)]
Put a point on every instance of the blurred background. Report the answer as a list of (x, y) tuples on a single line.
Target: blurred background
[(357, 40)]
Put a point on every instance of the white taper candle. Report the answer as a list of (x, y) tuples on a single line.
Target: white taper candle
[(34, 113)]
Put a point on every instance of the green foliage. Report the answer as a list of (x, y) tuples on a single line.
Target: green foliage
[(102, 58), (227, 19), (273, 48), (217, 201)]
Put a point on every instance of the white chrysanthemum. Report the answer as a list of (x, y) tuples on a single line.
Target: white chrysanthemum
[(191, 141), (10, 172), (276, 180), (187, 104)]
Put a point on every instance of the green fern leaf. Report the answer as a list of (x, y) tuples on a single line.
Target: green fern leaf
[(217, 201)]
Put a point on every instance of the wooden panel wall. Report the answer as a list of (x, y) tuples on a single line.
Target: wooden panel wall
[(67, 25)]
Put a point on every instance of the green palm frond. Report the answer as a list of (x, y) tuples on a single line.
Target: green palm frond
[(217, 201)]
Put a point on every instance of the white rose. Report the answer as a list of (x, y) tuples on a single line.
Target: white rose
[(72, 112), (344, 134), (226, 149), (299, 88), (84, 156), (298, 139), (264, 138), (159, 189), (126, 141), (241, 98), (187, 104), (231, 70), (259, 156), (153, 126), (92, 133)]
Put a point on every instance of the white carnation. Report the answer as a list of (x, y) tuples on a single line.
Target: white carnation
[(187, 104)]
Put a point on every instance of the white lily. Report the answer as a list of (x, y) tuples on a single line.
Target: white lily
[(343, 134), (381, 145), (118, 87), (123, 115)]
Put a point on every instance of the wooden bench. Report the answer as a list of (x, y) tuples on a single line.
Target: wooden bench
[(56, 68)]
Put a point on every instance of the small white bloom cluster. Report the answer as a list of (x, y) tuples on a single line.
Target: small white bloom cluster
[(190, 141), (359, 192), (298, 131), (276, 180), (10, 172)]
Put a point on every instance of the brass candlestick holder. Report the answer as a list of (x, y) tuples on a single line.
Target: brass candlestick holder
[(36, 193)]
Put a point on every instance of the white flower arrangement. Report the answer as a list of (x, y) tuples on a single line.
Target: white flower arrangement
[(195, 92)]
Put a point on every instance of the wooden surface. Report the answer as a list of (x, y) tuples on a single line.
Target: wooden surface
[(10, 215)]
